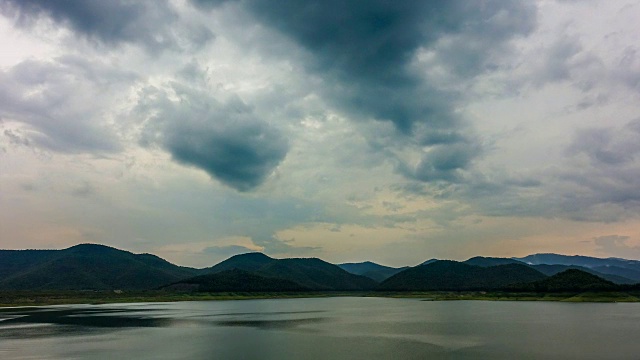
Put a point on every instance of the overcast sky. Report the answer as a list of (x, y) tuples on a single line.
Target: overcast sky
[(391, 131)]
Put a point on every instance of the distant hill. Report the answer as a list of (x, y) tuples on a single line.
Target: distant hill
[(429, 261), (551, 270), (235, 281), (311, 273), (371, 270), (631, 272), (491, 261), (449, 275), (569, 280), (629, 269), (86, 267)]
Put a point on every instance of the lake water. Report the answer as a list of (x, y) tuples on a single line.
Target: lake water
[(323, 328)]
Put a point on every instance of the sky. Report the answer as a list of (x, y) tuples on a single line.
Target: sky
[(390, 131)]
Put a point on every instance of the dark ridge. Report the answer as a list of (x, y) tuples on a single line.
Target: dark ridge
[(568, 280), (447, 275), (371, 270), (551, 270), (247, 262), (236, 281), (491, 261)]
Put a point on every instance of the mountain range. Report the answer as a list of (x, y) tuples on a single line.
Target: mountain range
[(99, 267)]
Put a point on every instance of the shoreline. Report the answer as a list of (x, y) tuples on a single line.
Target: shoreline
[(48, 298)]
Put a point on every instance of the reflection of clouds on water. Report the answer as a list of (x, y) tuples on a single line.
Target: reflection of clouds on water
[(87, 320), (271, 324), (62, 321)]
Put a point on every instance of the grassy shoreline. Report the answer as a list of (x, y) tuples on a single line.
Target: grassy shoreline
[(43, 298)]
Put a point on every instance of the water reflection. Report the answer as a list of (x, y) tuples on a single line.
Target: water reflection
[(73, 320), (271, 324), (336, 328)]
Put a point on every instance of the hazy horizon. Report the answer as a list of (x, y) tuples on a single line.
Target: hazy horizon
[(338, 263)]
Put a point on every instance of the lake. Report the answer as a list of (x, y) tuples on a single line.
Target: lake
[(323, 328)]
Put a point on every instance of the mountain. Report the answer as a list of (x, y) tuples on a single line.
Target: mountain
[(247, 262), (429, 261), (311, 273), (235, 281), (613, 266), (569, 280), (86, 267), (450, 275), (491, 261), (371, 270), (551, 270), (628, 272)]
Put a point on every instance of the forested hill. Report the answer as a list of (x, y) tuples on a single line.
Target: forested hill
[(456, 276), (310, 273), (86, 267)]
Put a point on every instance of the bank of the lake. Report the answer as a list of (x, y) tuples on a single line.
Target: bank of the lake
[(43, 298)]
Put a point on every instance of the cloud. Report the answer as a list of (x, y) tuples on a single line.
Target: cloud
[(274, 245), (616, 245), (149, 23), (225, 139), (376, 63), (228, 250), (444, 163), (62, 102)]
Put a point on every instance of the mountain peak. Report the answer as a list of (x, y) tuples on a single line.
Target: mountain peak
[(91, 248), (252, 255)]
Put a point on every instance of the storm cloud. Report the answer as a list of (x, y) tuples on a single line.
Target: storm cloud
[(225, 139), (149, 23), (375, 57), (60, 102)]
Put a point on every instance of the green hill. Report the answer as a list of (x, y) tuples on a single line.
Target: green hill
[(235, 281), (311, 273), (86, 267), (569, 280), (449, 275)]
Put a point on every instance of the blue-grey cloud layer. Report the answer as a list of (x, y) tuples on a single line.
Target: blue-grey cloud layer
[(226, 139), (365, 54), (57, 101), (144, 22)]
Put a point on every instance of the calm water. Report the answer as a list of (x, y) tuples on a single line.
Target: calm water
[(325, 328)]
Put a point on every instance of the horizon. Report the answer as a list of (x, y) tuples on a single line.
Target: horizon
[(195, 130), (331, 262)]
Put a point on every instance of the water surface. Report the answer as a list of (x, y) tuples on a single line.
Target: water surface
[(323, 328)]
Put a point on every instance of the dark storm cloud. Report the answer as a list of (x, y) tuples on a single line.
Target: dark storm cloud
[(225, 139), (367, 47), (445, 162), (115, 21), (367, 55), (60, 101)]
